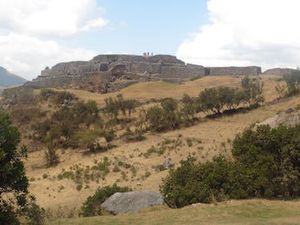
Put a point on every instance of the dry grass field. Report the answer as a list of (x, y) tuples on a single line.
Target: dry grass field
[(248, 212), (204, 140)]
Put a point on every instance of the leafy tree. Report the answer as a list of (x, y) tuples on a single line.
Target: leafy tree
[(253, 88), (163, 117), (51, 156), (115, 105), (292, 82), (12, 172), (215, 99), (209, 100), (155, 118), (189, 108)]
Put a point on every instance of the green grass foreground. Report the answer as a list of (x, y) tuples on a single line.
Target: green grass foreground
[(232, 212)]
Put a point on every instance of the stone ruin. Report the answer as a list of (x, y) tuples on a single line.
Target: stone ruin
[(106, 73), (237, 71), (279, 71)]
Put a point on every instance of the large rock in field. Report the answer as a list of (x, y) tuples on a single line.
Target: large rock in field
[(290, 118), (129, 202)]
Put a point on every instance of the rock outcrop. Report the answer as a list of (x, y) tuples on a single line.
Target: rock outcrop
[(290, 118), (130, 202), (279, 71)]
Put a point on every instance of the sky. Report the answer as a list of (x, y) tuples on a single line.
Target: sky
[(39, 33)]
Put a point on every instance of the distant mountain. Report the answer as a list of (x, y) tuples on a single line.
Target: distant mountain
[(8, 79)]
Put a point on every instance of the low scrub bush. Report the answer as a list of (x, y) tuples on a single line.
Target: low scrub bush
[(266, 164), (65, 123)]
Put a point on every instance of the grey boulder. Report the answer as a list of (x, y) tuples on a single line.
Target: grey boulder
[(130, 202)]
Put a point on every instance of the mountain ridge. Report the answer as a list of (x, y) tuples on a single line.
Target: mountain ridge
[(8, 79)]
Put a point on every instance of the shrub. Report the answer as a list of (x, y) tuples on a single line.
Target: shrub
[(64, 125), (252, 88), (216, 99), (272, 157), (63, 98), (34, 213), (292, 82), (47, 93), (19, 95), (266, 164), (113, 106), (51, 156), (92, 206), (164, 117), (155, 118), (136, 135), (189, 108), (193, 182)]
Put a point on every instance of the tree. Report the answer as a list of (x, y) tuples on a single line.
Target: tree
[(292, 82), (253, 89), (12, 173), (189, 108), (215, 99)]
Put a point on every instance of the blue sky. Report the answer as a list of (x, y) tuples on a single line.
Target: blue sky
[(39, 33), (138, 26)]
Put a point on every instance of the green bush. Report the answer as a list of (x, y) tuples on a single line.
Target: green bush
[(92, 206), (293, 83), (272, 157), (218, 99), (113, 106), (215, 99), (212, 181), (34, 214), (64, 125), (252, 90), (266, 164), (164, 117)]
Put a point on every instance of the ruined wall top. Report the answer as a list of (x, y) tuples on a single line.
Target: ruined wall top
[(168, 59)]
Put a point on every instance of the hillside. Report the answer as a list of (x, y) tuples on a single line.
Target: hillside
[(137, 163), (8, 79), (253, 212)]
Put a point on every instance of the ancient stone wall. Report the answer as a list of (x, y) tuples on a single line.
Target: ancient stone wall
[(112, 71), (249, 70), (184, 72)]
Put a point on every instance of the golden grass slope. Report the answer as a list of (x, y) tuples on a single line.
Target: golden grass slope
[(250, 212), (209, 138)]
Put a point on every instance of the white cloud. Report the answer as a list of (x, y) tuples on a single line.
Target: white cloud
[(29, 32), (26, 55), (58, 18), (247, 32)]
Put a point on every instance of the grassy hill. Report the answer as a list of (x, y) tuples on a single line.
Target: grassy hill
[(8, 79), (139, 168), (254, 212)]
